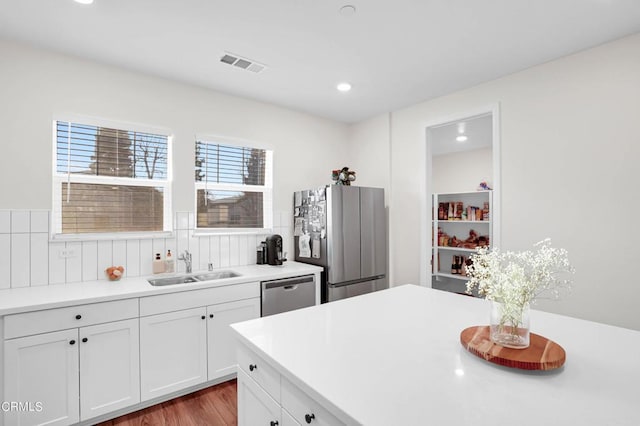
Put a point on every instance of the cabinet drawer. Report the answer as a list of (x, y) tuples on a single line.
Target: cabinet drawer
[(189, 299), (256, 368), (304, 409), (255, 406), (37, 322)]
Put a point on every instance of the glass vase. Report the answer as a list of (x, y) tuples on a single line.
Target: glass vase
[(509, 325)]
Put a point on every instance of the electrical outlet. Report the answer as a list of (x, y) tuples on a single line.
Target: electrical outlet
[(66, 253)]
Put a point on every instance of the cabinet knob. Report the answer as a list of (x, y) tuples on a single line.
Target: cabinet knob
[(203, 317), (309, 417), (211, 316), (274, 423), (78, 316), (252, 367), (84, 340), (72, 342)]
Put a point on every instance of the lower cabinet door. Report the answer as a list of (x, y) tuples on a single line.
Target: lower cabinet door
[(255, 406), (220, 340), (109, 367), (173, 352), (41, 379)]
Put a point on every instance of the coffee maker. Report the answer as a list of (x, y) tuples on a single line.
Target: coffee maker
[(274, 249)]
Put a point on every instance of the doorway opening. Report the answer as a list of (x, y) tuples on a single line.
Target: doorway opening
[(461, 201)]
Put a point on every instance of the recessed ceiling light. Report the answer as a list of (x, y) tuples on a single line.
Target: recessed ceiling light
[(84, 1), (348, 10), (461, 138), (343, 87)]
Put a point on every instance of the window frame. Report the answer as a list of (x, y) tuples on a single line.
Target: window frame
[(59, 179), (266, 189)]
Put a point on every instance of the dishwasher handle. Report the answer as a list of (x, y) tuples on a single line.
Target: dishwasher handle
[(288, 283)]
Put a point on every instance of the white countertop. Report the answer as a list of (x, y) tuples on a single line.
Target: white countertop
[(59, 295), (394, 358)]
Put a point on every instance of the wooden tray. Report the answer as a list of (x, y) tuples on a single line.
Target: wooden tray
[(542, 353)]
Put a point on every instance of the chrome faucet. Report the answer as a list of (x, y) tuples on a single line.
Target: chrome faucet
[(186, 256)]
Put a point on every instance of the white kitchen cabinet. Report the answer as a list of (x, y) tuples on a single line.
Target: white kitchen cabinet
[(42, 369), (255, 406), (220, 340), (261, 386), (173, 351), (75, 374), (109, 367)]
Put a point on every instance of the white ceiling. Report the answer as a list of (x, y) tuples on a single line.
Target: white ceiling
[(394, 53), (478, 131)]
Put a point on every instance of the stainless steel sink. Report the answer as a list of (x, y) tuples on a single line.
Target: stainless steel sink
[(216, 275), (172, 280), (184, 279)]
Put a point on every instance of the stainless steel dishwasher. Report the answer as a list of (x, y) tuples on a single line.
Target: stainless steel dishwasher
[(288, 294)]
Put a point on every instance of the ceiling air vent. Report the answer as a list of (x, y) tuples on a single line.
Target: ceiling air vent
[(243, 63)]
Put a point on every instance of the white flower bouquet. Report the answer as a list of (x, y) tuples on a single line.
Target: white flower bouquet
[(517, 279)]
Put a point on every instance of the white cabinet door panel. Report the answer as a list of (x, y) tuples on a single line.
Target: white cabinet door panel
[(220, 340), (109, 367), (42, 369), (173, 351)]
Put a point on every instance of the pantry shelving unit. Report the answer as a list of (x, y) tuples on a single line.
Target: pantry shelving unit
[(443, 255)]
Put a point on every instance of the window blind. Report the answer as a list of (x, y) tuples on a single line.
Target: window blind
[(109, 180), (231, 186)]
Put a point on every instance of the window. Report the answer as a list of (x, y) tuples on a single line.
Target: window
[(233, 187), (110, 180)]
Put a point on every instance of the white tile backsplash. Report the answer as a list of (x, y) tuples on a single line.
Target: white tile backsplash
[(146, 256), (74, 262), (205, 254), (234, 250), (5, 261), (39, 221), (214, 250), (20, 221), (105, 257), (57, 264), (20, 260), (28, 257), (224, 251), (89, 260), (120, 255), (39, 258), (133, 258), (5, 221)]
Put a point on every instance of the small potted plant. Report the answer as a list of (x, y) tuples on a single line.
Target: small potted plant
[(512, 281)]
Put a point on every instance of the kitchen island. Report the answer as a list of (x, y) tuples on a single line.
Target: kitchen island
[(394, 358)]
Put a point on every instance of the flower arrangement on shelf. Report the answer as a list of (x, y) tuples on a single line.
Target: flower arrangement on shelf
[(513, 281)]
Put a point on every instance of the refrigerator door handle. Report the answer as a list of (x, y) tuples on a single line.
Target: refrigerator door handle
[(361, 280)]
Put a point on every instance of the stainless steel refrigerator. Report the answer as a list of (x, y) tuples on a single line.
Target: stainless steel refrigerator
[(343, 229)]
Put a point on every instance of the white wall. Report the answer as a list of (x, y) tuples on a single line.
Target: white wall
[(36, 84), (570, 147), (461, 171), (369, 153)]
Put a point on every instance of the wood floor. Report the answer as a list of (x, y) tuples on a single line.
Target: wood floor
[(214, 406)]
